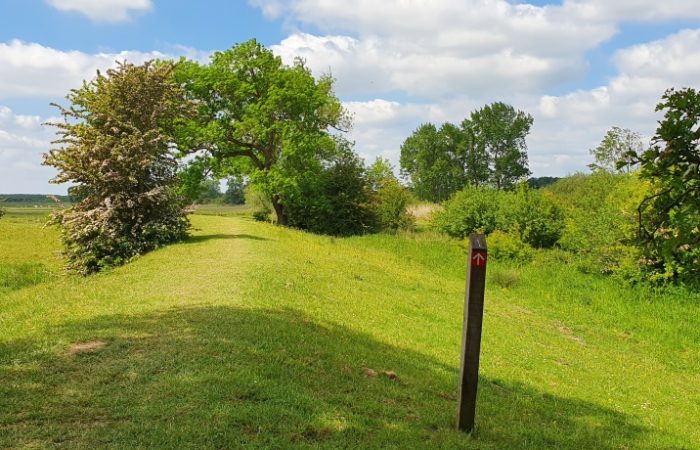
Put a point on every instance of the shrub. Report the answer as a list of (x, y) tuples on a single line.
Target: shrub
[(599, 212), (535, 218), (259, 203), (538, 220), (114, 144), (668, 233), (508, 247), (471, 210), (333, 199), (391, 207)]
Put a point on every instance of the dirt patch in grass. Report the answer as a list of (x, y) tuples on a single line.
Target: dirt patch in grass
[(85, 347), (567, 332)]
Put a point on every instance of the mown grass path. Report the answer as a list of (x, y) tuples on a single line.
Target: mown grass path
[(253, 336)]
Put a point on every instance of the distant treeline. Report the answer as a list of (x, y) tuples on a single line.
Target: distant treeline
[(36, 199), (540, 182)]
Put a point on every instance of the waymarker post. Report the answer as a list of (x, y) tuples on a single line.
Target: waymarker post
[(471, 331)]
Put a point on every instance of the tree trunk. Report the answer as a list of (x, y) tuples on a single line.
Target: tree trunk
[(279, 210)]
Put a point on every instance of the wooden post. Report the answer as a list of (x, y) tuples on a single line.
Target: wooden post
[(471, 331)]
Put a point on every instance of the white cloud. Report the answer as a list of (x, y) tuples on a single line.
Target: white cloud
[(644, 72), (103, 10), (23, 140), (33, 70), (633, 10), (441, 47)]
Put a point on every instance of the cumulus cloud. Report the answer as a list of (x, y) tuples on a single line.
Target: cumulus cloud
[(420, 61), (23, 140), (578, 120), (632, 10), (103, 10), (33, 70), (439, 47)]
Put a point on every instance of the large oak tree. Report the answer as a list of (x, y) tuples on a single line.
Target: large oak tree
[(261, 118)]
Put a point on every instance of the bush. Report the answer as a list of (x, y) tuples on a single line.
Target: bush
[(507, 247), (472, 210), (668, 233), (259, 203), (600, 211), (536, 219), (391, 205), (334, 199), (115, 146)]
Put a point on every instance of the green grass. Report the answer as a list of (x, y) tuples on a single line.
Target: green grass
[(258, 336), (222, 210)]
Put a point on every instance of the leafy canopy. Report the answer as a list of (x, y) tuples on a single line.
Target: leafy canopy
[(499, 131), (259, 117), (441, 161), (612, 154), (669, 218), (487, 148)]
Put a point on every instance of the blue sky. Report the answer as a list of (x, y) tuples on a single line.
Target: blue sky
[(579, 67)]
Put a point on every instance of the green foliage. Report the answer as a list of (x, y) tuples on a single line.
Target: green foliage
[(391, 199), (77, 193), (335, 200), (259, 203), (209, 191), (540, 182), (499, 131), (235, 191), (535, 218), (613, 153), (669, 217), (599, 220), (391, 207), (472, 210), (488, 148), (261, 118), (114, 144), (34, 199), (440, 162), (509, 247)]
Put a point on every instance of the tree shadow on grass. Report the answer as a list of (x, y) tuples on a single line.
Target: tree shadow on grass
[(222, 377), (209, 237)]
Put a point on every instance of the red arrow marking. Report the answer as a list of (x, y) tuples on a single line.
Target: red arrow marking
[(478, 259)]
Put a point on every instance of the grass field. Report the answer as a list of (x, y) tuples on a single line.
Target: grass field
[(258, 336)]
